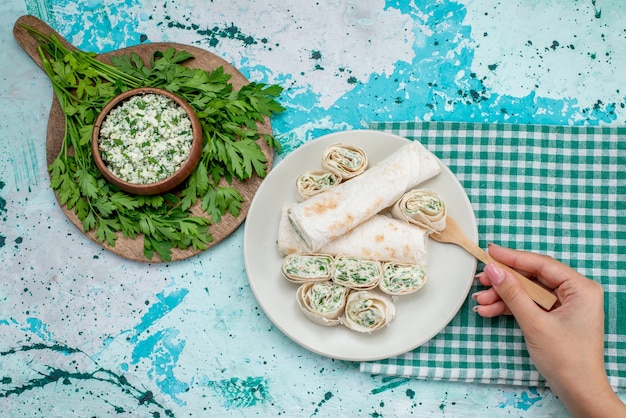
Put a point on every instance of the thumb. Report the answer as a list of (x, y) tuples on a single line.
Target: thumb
[(511, 292)]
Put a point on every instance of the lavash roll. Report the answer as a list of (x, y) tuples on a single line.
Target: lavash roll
[(368, 311), (322, 302), (347, 161), (356, 273), (313, 182), (379, 238), (304, 268), (402, 278), (422, 207), (331, 214)]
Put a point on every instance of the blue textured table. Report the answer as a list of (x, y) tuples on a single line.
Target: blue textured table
[(84, 332)]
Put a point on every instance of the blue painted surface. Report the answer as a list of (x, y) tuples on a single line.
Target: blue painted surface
[(85, 332), (523, 400)]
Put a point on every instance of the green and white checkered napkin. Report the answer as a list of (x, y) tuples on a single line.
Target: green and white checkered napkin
[(550, 189)]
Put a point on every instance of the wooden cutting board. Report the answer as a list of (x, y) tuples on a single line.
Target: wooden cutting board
[(133, 248)]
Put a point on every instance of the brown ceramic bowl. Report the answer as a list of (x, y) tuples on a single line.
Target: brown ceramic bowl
[(168, 183)]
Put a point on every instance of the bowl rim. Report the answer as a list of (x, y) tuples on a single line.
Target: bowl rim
[(179, 175)]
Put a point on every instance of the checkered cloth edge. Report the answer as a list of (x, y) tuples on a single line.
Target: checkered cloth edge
[(558, 190)]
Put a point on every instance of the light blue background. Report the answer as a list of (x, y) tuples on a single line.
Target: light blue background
[(85, 332)]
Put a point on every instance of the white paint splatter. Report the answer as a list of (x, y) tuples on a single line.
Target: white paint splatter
[(567, 52), (298, 31)]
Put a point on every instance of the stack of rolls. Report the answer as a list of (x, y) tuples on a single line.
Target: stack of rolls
[(354, 245), (331, 214), (328, 285), (339, 163)]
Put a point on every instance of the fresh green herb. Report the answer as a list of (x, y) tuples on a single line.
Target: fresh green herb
[(83, 85)]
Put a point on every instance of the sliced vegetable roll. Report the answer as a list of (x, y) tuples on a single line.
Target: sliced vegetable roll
[(302, 268), (402, 278), (313, 182), (356, 273), (423, 208), (368, 311), (346, 161), (322, 302)]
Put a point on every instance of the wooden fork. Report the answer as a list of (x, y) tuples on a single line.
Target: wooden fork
[(453, 234)]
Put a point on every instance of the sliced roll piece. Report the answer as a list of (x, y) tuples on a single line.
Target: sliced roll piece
[(311, 183), (402, 278), (302, 268), (368, 311), (322, 302), (347, 161), (356, 273), (422, 207)]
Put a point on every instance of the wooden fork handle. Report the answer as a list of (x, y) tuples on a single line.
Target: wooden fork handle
[(542, 296)]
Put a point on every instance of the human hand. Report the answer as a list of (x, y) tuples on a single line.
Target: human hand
[(567, 343)]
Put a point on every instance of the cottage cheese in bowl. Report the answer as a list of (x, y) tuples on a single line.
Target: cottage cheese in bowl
[(145, 139)]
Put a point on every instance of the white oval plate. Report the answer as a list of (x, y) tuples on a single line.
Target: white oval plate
[(420, 316)]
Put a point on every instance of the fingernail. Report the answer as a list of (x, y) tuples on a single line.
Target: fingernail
[(475, 295), (494, 273), (491, 244), (475, 308)]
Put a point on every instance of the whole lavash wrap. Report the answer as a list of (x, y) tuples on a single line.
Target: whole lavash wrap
[(331, 214), (379, 238)]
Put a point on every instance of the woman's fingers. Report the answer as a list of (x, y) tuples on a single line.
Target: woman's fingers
[(492, 310), (486, 297), (545, 269)]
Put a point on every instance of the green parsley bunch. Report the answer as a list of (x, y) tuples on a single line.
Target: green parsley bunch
[(83, 85)]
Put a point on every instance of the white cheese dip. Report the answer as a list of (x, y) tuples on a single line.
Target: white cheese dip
[(145, 139)]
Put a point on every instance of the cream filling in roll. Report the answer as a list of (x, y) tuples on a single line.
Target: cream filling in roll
[(322, 302), (402, 278), (302, 268), (347, 161), (311, 183), (368, 311), (423, 208), (356, 273)]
